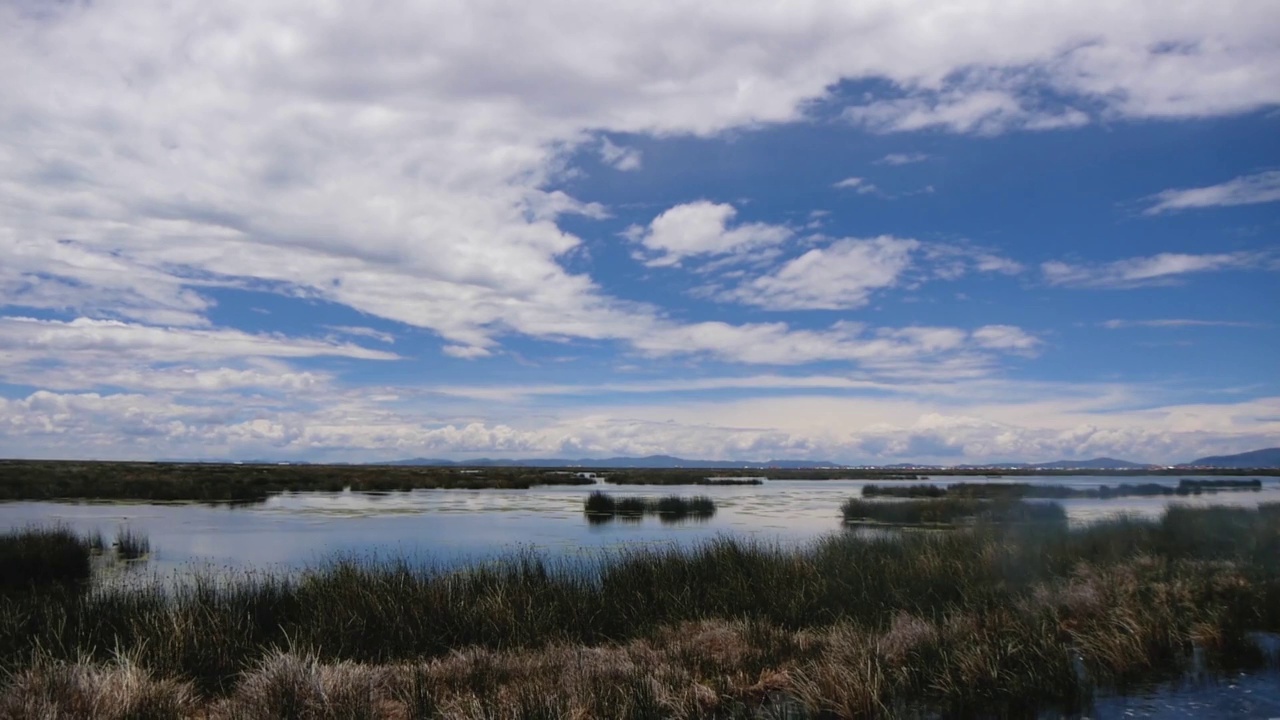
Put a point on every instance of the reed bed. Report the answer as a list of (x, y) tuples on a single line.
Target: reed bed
[(131, 545), (35, 557), (232, 483), (997, 618), (949, 511), (671, 507), (1025, 491)]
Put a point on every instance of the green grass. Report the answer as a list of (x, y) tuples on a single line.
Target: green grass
[(979, 620)]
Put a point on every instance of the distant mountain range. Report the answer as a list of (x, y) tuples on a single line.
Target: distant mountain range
[(1268, 458)]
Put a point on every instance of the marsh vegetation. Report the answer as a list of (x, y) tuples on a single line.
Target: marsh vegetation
[(235, 483), (949, 511), (1028, 491), (998, 617), (603, 506)]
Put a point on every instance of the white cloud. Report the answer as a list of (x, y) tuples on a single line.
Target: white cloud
[(702, 228), (841, 275), (1005, 337), (1154, 270), (1000, 422), (915, 351), (363, 332), (902, 158), (26, 337), (860, 185), (375, 160), (466, 352), (952, 261), (981, 111), (1246, 190), (619, 157), (1174, 323)]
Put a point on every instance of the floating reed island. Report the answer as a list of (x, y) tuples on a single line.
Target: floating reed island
[(603, 506), (998, 619), (1020, 491)]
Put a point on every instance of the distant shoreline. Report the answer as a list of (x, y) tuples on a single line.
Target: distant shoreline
[(70, 480)]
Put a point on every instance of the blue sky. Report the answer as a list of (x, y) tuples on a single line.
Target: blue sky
[(897, 231)]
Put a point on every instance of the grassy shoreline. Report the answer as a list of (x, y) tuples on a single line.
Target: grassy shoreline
[(66, 480), (844, 627), (1026, 491)]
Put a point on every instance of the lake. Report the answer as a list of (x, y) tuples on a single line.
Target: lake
[(296, 530)]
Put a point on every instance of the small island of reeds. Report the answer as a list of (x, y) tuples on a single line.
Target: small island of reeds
[(603, 506)]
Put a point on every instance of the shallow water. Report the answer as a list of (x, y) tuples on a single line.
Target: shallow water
[(296, 530)]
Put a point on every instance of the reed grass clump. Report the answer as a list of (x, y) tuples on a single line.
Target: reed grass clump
[(131, 545), (38, 556), (601, 505)]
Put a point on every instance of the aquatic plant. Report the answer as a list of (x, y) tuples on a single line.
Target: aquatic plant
[(131, 545), (671, 507), (39, 556), (949, 510)]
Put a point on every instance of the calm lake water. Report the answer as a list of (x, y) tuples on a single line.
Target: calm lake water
[(296, 530)]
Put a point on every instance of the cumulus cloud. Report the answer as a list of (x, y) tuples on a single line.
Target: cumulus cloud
[(1018, 424), (1154, 270), (702, 228), (153, 152), (1246, 190), (372, 159), (845, 273), (841, 275)]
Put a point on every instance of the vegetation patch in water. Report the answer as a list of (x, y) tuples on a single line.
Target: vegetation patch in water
[(671, 507), (949, 511), (1027, 491)]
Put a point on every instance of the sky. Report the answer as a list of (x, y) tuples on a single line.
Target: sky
[(870, 233)]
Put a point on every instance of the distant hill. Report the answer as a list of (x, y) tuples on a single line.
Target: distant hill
[(651, 461), (1102, 463), (1266, 458)]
